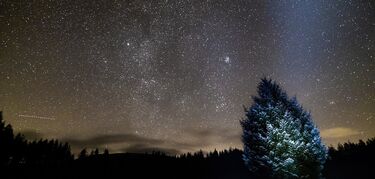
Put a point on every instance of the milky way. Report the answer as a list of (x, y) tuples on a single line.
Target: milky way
[(136, 76)]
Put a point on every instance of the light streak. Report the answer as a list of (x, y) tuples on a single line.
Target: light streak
[(36, 117)]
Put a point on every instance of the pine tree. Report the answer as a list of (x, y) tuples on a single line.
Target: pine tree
[(106, 152), (280, 138), (96, 152), (82, 154), (6, 141)]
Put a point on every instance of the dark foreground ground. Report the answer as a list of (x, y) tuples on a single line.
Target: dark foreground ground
[(227, 165), (141, 166)]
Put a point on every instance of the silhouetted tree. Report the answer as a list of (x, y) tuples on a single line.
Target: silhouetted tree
[(16, 150), (214, 154), (6, 141), (351, 160), (83, 154), (199, 154), (19, 150), (106, 152), (280, 139), (96, 152)]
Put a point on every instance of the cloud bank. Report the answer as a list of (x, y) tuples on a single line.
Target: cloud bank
[(338, 132), (133, 143)]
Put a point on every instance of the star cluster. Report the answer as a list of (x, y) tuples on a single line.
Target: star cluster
[(174, 75)]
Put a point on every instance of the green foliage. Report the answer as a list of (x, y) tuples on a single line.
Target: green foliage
[(280, 139)]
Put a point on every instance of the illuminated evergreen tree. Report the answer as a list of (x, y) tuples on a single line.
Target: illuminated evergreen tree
[(280, 138)]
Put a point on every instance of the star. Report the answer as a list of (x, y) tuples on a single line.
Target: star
[(173, 70)]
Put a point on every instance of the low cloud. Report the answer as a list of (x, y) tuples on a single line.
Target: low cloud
[(101, 140), (31, 134), (196, 139), (134, 143), (224, 134), (338, 132)]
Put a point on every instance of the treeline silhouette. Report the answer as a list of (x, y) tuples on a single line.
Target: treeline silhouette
[(21, 158), (351, 160), (16, 151), (223, 164)]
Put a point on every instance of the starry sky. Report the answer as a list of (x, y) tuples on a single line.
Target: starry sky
[(135, 76)]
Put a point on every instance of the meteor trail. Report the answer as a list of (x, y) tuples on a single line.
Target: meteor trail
[(36, 117)]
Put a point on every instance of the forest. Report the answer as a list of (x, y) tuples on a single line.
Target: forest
[(45, 158)]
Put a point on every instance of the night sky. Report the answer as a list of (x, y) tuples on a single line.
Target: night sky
[(134, 76)]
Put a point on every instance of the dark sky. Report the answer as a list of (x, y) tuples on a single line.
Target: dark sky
[(173, 75)]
